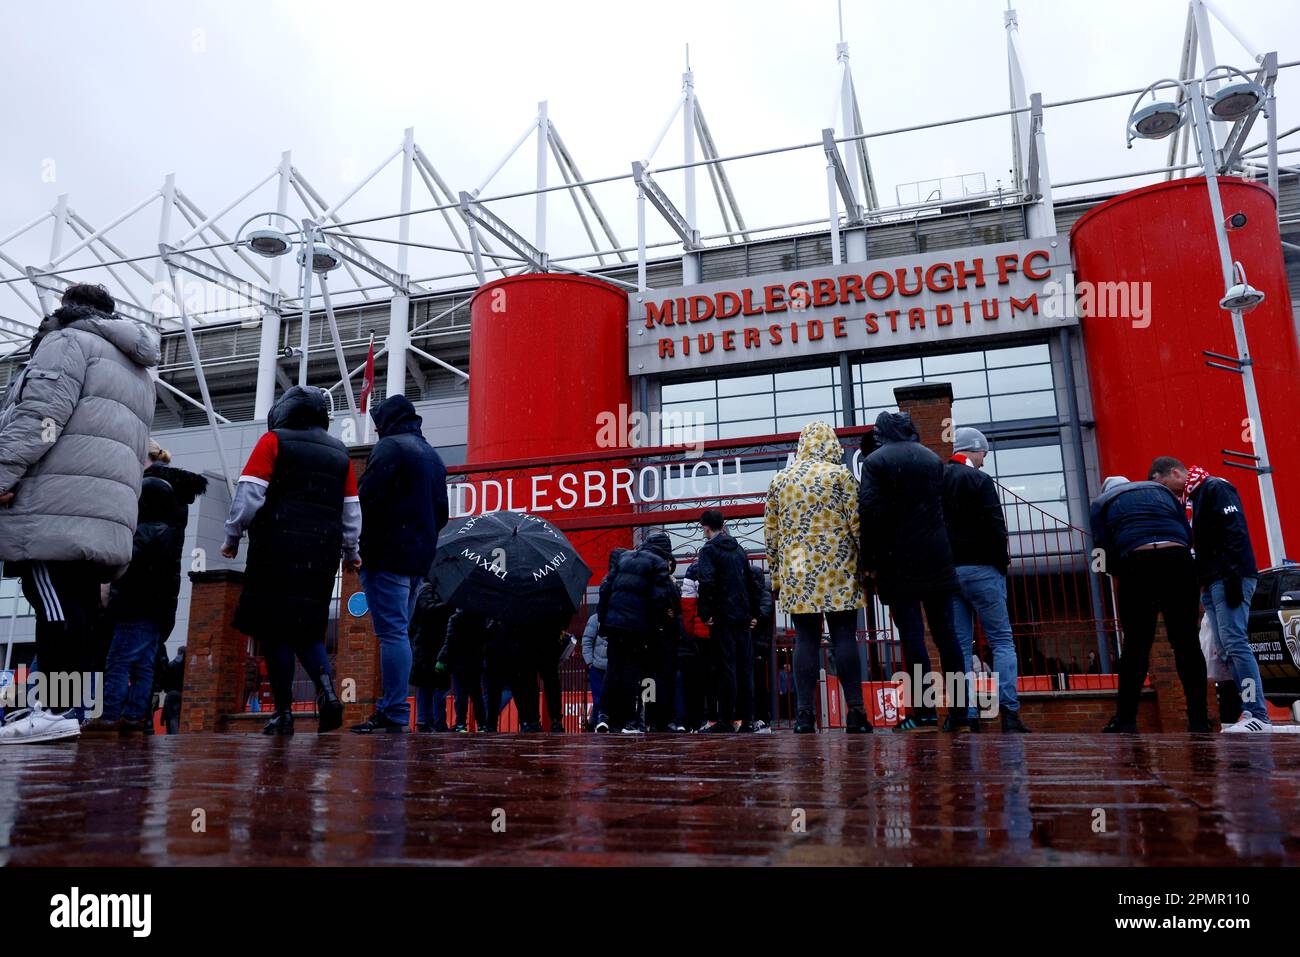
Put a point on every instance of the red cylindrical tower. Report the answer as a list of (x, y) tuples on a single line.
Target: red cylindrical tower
[(1152, 392), (548, 355)]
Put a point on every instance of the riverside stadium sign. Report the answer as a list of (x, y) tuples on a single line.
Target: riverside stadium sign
[(909, 300)]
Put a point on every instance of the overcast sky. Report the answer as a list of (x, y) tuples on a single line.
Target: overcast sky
[(104, 99)]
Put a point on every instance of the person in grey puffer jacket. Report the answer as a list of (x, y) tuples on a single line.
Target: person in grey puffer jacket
[(74, 435)]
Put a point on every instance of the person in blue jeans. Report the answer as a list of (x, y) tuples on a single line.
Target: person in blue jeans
[(1227, 574), (977, 532), (595, 652), (403, 493), (138, 608)]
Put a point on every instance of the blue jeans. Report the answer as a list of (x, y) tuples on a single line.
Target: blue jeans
[(431, 706), (1230, 626), (391, 597), (130, 659), (596, 681), (983, 591)]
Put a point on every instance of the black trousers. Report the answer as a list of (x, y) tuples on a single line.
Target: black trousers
[(662, 710), (911, 634), (279, 667), (1160, 582), (733, 679), (763, 684), (842, 626), (621, 697), (533, 660), (468, 678), (695, 676), (65, 597)]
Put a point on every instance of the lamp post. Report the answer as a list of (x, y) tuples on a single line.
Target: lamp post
[(1239, 97), (314, 256)]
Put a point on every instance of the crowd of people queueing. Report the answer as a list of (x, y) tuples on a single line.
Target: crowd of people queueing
[(92, 520)]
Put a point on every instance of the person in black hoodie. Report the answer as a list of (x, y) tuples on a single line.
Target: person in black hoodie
[(1140, 532), (977, 532), (462, 655), (403, 506), (905, 549), (428, 634), (763, 634), (1227, 574), (637, 598), (297, 499), (139, 609), (729, 606)]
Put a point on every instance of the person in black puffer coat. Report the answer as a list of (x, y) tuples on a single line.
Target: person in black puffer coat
[(428, 634), (905, 549), (729, 606), (297, 499), (462, 656), (764, 631), (140, 603), (637, 598)]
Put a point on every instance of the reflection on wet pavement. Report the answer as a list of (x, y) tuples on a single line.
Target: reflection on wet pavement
[(586, 799)]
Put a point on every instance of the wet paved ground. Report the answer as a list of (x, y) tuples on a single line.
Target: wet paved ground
[(883, 799)]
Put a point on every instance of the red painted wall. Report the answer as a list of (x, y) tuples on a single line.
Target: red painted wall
[(549, 355), (1152, 392)]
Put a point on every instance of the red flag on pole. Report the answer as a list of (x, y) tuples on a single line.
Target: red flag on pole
[(368, 380)]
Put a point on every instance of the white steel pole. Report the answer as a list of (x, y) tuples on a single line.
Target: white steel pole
[(543, 123), (1267, 494), (202, 379), (305, 243), (399, 305), (268, 350)]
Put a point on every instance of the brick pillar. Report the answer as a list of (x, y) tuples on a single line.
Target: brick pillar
[(930, 406), (216, 655), (356, 661)]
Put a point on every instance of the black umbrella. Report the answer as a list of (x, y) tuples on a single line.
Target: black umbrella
[(510, 566)]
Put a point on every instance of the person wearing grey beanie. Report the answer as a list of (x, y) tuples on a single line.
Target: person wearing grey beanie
[(977, 532)]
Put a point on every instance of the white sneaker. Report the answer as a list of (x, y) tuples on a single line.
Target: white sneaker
[(36, 727), (1249, 724), (761, 727)]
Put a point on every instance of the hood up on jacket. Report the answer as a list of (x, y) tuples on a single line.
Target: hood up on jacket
[(300, 407), (133, 339), (660, 544), (186, 485), (156, 500), (395, 415), (615, 555), (817, 442), (896, 427)]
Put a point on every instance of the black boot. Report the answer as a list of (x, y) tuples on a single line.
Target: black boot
[(281, 723), (805, 723), (328, 706), (855, 722), (1011, 723)]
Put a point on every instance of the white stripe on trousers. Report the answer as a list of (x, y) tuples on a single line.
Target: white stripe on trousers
[(45, 586)]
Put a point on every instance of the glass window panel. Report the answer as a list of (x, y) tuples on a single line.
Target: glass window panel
[(684, 435), (805, 402), (745, 385), (795, 423), (970, 411), (889, 369), (1023, 405), (683, 391), (868, 415), (745, 407), (1021, 379), (679, 413), (803, 378), (965, 385), (1018, 355), (745, 429), (1035, 488), (959, 362), (881, 393), (1039, 458)]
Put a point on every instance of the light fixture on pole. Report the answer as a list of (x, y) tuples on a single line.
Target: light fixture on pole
[(1232, 101), (265, 241)]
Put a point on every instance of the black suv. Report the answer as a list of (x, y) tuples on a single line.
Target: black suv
[(1275, 632)]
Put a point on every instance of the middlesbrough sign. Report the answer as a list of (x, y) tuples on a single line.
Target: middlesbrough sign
[(909, 300)]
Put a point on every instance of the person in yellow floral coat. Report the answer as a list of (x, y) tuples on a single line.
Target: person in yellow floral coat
[(812, 551)]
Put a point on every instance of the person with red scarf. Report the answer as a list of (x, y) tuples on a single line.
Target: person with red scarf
[(1227, 575)]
